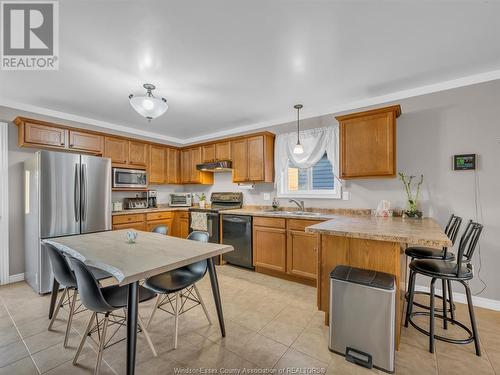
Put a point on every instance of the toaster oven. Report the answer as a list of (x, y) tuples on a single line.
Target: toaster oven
[(181, 200)]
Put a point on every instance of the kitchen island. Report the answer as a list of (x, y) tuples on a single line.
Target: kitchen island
[(373, 243)]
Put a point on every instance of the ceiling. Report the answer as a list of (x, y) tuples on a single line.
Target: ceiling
[(232, 66)]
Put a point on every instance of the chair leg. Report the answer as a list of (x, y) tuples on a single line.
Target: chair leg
[(452, 304), (157, 304), (70, 317), (445, 300), (176, 319), (146, 335), (409, 306), (431, 319), (472, 319), (202, 303), (102, 342), (58, 306), (84, 338)]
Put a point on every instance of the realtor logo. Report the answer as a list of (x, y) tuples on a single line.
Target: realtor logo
[(29, 35)]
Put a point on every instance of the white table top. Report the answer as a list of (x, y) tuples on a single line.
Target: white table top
[(150, 255)]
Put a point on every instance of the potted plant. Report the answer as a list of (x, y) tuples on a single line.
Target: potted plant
[(412, 204), (201, 199)]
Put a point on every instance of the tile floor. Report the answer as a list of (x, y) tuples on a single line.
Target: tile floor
[(271, 323)]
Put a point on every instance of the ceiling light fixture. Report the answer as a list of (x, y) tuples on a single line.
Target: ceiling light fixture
[(298, 149), (148, 105)]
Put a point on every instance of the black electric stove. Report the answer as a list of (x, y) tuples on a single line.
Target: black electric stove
[(220, 202)]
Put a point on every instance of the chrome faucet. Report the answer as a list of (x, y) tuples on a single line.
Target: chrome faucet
[(300, 204)]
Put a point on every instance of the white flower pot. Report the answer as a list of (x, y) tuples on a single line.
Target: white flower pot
[(202, 204)]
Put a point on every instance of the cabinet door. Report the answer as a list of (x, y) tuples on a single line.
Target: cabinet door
[(153, 224), (136, 226), (138, 154), (156, 165), (186, 166), (269, 248), (223, 151), (208, 153), (116, 149), (183, 227), (302, 254), (44, 135), (195, 159), (172, 165), (88, 142), (240, 160), (256, 158)]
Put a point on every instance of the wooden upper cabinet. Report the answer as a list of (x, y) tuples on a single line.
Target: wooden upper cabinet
[(208, 153), (138, 154), (87, 142), (156, 164), (38, 134), (116, 149), (239, 152), (185, 162), (172, 166), (253, 159), (368, 143), (223, 151), (195, 159)]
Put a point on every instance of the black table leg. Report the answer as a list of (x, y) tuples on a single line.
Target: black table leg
[(132, 307), (53, 297), (216, 293)]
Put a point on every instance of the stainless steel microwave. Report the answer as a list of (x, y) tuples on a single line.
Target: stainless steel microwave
[(129, 178), (181, 200)]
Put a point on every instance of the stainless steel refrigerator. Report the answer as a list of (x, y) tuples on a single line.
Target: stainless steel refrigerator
[(65, 194)]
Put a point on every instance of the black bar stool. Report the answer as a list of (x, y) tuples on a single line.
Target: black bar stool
[(66, 278), (419, 252), (460, 271), (179, 284), (104, 301)]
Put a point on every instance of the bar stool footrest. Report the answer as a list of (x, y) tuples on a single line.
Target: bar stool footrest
[(427, 307), (455, 322)]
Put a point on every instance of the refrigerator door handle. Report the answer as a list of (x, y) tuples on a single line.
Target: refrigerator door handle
[(84, 192), (76, 193)]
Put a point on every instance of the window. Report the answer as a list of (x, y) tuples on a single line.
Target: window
[(317, 181)]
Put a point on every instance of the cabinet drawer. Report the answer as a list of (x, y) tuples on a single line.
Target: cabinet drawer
[(123, 219), (299, 224), (137, 226), (271, 222), (160, 215)]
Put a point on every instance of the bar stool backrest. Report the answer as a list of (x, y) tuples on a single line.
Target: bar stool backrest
[(468, 243), (89, 289), (162, 229), (60, 267), (200, 267), (453, 227)]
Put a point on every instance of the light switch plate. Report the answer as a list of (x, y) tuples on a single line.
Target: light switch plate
[(267, 196), (346, 195)]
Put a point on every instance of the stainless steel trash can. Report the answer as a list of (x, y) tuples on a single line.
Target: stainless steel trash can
[(362, 316)]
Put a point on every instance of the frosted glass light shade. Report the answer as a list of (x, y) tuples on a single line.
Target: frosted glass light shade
[(298, 149), (149, 106)]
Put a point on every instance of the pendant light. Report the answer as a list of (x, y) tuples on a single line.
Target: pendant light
[(298, 149), (148, 105)]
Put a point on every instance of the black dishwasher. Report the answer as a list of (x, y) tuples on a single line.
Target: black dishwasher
[(237, 232)]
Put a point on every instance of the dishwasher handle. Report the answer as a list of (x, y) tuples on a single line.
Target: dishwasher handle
[(233, 219)]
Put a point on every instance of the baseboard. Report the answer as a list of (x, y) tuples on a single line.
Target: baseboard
[(16, 278), (461, 298)]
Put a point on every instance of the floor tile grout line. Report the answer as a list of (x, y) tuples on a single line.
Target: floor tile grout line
[(22, 339)]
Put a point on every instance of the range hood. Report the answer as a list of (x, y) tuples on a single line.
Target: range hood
[(216, 166)]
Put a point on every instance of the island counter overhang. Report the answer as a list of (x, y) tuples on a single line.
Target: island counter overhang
[(375, 243)]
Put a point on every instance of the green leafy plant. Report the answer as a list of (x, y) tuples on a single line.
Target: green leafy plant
[(201, 197), (412, 210)]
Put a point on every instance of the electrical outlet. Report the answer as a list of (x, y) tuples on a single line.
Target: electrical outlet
[(267, 196), (346, 195)]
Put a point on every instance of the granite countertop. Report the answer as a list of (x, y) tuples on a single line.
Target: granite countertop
[(288, 212), (149, 210), (422, 232)]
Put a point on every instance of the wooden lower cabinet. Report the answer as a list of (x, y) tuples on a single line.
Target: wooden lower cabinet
[(137, 226), (282, 248), (177, 222), (181, 224), (168, 223)]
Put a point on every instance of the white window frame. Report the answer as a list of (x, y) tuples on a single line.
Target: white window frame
[(336, 193)]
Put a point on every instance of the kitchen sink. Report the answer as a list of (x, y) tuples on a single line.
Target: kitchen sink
[(295, 213)]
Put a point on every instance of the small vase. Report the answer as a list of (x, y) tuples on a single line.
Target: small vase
[(202, 204)]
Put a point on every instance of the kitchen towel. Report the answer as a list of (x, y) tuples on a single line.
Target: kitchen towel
[(199, 221)]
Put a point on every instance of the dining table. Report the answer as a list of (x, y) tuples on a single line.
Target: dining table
[(129, 262)]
